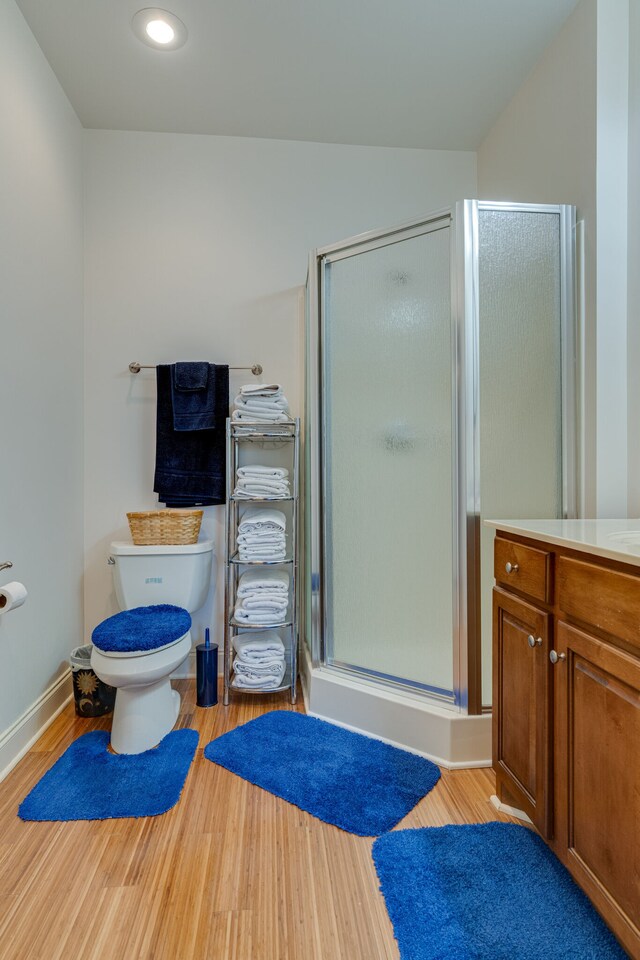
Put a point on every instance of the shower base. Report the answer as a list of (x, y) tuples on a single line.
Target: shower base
[(449, 738)]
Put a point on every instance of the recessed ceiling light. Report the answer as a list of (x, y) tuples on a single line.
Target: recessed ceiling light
[(159, 28)]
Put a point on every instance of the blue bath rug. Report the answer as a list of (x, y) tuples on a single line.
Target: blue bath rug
[(89, 783), (357, 783), (490, 891)]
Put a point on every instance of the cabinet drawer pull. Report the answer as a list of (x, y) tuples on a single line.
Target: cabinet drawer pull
[(534, 641), (511, 567), (554, 657)]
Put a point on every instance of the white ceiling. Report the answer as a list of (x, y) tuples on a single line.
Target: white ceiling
[(411, 73)]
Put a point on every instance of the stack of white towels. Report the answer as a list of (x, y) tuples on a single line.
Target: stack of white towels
[(257, 481), (262, 597), (262, 535), (261, 401), (259, 662)]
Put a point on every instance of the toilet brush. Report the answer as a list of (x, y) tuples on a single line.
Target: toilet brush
[(207, 672)]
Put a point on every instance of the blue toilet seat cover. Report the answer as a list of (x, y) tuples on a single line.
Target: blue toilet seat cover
[(143, 628)]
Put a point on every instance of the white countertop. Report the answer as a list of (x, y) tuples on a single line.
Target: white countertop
[(599, 537)]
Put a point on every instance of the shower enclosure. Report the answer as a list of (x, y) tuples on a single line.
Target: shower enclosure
[(440, 392)]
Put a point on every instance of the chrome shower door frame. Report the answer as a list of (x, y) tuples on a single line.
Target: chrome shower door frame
[(321, 643), (468, 255)]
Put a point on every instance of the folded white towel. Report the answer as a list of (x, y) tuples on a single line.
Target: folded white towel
[(262, 483), (265, 548), (257, 669), (257, 470), (260, 493), (269, 580), (261, 403), (250, 416), (266, 617), (268, 538), (265, 532), (266, 643), (270, 556), (261, 389), (250, 541), (265, 603), (258, 518), (258, 663), (267, 682), (272, 483), (258, 551)]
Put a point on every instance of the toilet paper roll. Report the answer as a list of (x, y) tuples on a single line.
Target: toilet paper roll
[(12, 595)]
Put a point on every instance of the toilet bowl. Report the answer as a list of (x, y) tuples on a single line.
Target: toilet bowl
[(146, 706), (153, 579)]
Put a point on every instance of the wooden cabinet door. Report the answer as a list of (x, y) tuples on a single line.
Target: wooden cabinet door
[(521, 704), (597, 775)]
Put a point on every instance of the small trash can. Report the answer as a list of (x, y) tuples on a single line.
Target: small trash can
[(93, 697)]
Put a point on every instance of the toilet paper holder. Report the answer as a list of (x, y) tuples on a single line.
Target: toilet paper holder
[(6, 565)]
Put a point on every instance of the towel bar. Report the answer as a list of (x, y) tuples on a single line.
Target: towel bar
[(135, 367)]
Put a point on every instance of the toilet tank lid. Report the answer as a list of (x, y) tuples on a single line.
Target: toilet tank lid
[(124, 548)]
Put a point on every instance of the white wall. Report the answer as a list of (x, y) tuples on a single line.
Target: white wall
[(41, 485), (196, 247), (633, 289), (612, 108), (542, 148)]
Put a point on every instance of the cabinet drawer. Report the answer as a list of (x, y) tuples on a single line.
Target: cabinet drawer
[(606, 599), (523, 568)]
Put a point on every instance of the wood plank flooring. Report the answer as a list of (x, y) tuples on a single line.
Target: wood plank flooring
[(231, 873)]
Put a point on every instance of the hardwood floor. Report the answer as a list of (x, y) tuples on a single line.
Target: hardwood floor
[(231, 873)]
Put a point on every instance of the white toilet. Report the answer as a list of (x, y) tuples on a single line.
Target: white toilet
[(146, 706)]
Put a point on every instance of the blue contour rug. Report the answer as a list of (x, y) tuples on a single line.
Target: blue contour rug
[(490, 891), (89, 783), (359, 784)]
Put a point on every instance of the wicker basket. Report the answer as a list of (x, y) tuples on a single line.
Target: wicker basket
[(154, 527)]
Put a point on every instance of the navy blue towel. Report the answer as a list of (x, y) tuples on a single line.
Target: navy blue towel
[(190, 464), (193, 396)]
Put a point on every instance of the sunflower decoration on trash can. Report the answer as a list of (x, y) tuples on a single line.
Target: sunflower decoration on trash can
[(87, 684)]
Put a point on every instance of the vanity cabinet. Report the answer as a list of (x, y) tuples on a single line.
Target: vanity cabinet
[(566, 734)]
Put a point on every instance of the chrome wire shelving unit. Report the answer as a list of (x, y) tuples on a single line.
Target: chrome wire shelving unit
[(267, 433)]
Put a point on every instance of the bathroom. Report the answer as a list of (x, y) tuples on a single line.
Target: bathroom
[(141, 223)]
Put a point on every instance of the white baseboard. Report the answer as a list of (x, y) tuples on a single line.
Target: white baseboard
[(187, 669), (23, 733)]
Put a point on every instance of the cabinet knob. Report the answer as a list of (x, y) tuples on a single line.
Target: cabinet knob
[(554, 656), (534, 641), (511, 567)]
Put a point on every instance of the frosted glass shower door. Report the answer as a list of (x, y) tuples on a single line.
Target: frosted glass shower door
[(388, 460), (520, 372)]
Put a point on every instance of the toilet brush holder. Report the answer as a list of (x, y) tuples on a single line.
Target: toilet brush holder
[(207, 674)]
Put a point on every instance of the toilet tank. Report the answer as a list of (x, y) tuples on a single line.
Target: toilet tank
[(180, 575)]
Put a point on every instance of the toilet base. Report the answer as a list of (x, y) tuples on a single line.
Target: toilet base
[(142, 716)]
